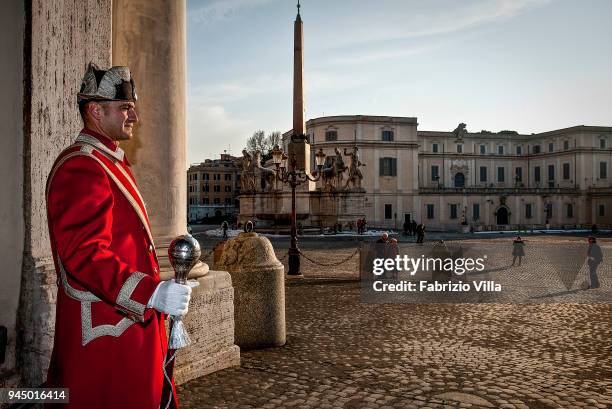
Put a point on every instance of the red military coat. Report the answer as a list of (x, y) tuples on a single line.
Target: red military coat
[(109, 348)]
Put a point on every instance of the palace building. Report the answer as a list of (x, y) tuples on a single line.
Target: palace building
[(213, 186), (480, 180)]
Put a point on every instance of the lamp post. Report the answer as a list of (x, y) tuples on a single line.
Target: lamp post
[(286, 172)]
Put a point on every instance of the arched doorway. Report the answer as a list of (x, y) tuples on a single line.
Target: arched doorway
[(459, 180), (502, 215)]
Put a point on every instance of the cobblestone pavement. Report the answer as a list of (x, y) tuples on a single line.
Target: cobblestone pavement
[(341, 352)]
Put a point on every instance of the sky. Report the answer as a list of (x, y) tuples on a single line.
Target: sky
[(523, 65)]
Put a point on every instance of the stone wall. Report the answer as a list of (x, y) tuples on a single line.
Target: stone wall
[(64, 37)]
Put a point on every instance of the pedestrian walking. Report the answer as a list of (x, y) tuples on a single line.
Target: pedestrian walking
[(413, 226), (224, 227), (406, 227), (594, 259), (518, 250), (420, 232)]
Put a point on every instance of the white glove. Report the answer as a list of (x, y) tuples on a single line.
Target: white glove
[(172, 298)]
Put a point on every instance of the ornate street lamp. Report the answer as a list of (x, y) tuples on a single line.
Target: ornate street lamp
[(294, 177)]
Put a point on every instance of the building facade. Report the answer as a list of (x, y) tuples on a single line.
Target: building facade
[(484, 180), (212, 187)]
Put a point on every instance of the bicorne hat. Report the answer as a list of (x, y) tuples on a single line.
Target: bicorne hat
[(114, 84)]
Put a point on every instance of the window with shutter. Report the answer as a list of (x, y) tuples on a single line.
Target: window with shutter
[(435, 172), (388, 211), (430, 211), (388, 167), (331, 135), (566, 171), (483, 174)]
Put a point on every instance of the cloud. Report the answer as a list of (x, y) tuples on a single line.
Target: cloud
[(211, 129), (241, 88), (376, 55), (318, 81), (405, 26), (268, 87), (220, 10)]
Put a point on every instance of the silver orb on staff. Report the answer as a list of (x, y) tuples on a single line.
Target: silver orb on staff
[(183, 253)]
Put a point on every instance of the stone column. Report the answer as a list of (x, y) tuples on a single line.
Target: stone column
[(12, 19), (150, 37), (60, 39)]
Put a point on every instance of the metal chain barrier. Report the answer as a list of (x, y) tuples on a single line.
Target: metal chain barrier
[(330, 264)]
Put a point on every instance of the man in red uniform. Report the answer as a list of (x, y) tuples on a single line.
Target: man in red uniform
[(110, 338)]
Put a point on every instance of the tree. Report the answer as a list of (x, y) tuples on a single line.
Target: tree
[(274, 139), (257, 142), (260, 142)]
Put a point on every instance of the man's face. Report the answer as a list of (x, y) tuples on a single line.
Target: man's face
[(117, 119)]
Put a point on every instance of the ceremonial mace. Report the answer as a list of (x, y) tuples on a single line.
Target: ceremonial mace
[(183, 253)]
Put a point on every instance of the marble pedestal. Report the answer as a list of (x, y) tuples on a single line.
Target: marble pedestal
[(313, 208), (210, 323)]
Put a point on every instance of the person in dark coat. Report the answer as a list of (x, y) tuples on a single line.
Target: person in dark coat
[(594, 259), (518, 250), (420, 232), (413, 225)]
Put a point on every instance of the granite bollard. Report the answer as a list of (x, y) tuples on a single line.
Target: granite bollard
[(259, 290)]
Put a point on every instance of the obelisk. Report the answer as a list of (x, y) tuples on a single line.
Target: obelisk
[(298, 76), (299, 145)]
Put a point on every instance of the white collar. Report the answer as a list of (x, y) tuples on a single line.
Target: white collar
[(117, 154)]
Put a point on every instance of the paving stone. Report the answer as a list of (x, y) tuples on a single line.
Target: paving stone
[(342, 352)]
